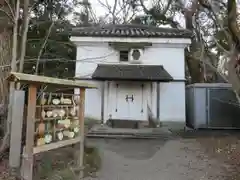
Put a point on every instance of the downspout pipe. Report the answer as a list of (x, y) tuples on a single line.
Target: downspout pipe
[(158, 101)]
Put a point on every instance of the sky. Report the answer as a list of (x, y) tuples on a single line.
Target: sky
[(99, 10)]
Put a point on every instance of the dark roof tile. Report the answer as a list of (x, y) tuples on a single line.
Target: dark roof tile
[(130, 31), (131, 72)]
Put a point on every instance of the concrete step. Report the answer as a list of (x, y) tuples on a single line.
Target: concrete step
[(106, 131), (122, 136), (144, 135)]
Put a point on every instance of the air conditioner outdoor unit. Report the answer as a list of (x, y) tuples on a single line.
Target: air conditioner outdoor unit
[(135, 56)]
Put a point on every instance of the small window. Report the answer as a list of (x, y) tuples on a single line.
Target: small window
[(124, 56)]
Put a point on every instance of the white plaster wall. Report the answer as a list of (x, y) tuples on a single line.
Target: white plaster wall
[(92, 101), (89, 55), (172, 102), (171, 56)]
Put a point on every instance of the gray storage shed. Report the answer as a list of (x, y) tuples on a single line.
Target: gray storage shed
[(212, 105)]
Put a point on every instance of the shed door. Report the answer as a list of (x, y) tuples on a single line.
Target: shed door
[(137, 102), (131, 103), (122, 105)]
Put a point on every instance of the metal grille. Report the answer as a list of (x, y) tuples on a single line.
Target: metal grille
[(124, 56), (224, 110), (189, 107), (212, 106)]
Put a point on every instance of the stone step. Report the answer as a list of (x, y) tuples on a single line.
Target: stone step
[(121, 136), (128, 135)]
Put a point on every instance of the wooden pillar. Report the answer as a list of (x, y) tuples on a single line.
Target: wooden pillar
[(16, 130), (27, 165), (81, 123)]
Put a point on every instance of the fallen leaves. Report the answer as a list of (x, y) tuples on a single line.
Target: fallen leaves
[(226, 149)]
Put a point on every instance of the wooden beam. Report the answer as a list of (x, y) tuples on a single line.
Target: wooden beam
[(35, 79), (56, 145), (27, 164), (81, 123), (120, 46)]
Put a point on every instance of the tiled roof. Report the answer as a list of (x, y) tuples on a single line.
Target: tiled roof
[(130, 31), (131, 72)]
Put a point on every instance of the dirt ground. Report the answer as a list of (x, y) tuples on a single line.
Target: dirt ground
[(204, 155), (225, 147)]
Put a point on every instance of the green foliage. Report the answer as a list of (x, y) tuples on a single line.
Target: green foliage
[(59, 50), (58, 54), (57, 57)]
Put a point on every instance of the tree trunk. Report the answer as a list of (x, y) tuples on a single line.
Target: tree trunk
[(233, 75), (13, 60), (194, 65), (5, 61)]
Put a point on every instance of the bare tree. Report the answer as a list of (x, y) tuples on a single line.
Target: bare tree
[(5, 141), (26, 17), (233, 74), (221, 19), (119, 12), (43, 46)]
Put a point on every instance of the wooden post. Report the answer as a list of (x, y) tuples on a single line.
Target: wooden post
[(81, 123), (16, 130), (28, 150)]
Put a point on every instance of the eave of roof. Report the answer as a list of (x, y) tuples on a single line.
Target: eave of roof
[(131, 72), (132, 31)]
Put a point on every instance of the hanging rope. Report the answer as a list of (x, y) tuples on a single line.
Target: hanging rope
[(116, 98), (142, 98)]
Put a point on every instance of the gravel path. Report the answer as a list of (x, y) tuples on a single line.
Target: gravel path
[(166, 159)]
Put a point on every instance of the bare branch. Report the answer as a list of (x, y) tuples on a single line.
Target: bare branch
[(215, 18), (161, 14), (120, 11), (10, 8), (220, 46), (232, 21), (5, 141), (144, 7), (8, 15), (232, 74), (109, 8), (126, 13), (114, 10), (205, 60), (45, 41), (24, 35), (164, 11), (33, 6)]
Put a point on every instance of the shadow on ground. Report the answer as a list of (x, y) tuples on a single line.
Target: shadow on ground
[(211, 141), (130, 148), (190, 151)]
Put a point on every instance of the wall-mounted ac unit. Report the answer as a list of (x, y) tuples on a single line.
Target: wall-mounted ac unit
[(135, 56)]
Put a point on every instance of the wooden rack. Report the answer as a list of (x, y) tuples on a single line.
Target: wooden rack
[(56, 122), (49, 116)]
